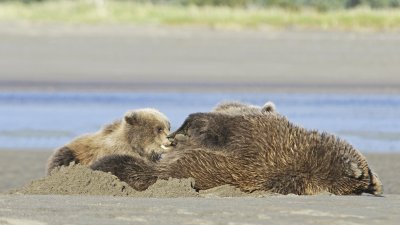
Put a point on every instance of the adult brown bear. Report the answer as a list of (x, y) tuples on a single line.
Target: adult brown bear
[(252, 152)]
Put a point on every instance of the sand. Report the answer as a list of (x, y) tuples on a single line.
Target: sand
[(156, 58), (108, 210), (77, 180), (80, 180)]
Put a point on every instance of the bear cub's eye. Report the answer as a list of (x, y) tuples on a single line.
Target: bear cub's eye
[(160, 130)]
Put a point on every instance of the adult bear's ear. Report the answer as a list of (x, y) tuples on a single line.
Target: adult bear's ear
[(131, 118), (269, 107)]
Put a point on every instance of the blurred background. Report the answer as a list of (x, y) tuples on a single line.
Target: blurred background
[(69, 67)]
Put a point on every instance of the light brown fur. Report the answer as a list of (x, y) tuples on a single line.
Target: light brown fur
[(141, 133), (237, 108)]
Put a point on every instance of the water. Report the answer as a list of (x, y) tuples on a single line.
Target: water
[(48, 120)]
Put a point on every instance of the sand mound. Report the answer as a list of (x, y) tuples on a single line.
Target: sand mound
[(80, 180)]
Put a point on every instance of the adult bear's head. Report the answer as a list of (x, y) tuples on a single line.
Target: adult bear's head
[(203, 130)]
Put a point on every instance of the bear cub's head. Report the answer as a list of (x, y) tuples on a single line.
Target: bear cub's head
[(147, 130)]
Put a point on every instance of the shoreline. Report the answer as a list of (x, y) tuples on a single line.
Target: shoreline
[(217, 17)]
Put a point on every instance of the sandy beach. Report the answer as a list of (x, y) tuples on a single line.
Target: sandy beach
[(158, 59)]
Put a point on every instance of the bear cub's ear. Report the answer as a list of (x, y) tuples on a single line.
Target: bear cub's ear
[(131, 118), (268, 107)]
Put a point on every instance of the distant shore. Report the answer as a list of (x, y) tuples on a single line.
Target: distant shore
[(129, 12), (124, 58)]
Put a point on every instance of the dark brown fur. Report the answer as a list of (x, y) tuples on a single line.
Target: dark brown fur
[(141, 179), (257, 152), (63, 157)]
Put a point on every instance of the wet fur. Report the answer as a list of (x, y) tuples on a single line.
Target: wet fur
[(255, 152)]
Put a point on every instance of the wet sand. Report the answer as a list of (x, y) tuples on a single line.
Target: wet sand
[(337, 210)]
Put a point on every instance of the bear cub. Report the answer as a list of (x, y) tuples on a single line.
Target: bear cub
[(141, 133)]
